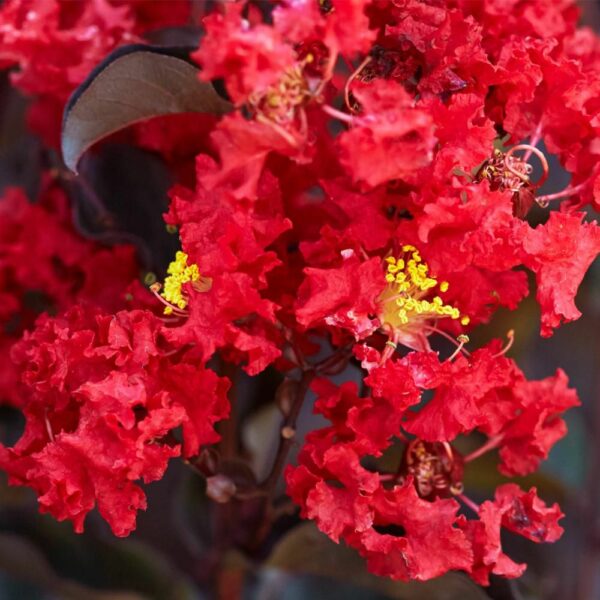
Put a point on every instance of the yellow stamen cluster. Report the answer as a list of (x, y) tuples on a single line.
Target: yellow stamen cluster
[(279, 102), (179, 272), (409, 282)]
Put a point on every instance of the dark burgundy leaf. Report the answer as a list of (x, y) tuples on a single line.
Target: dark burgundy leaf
[(133, 84)]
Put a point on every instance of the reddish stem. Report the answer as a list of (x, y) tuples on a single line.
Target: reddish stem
[(340, 355), (285, 443)]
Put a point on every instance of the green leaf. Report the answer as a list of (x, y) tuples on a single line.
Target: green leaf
[(133, 84)]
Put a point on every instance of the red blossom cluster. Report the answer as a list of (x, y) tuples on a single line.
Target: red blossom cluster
[(484, 392), (56, 43), (366, 197), (46, 266), (104, 391)]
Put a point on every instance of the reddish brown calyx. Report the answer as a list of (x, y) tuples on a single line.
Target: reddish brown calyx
[(280, 102), (505, 171), (379, 64), (314, 55), (437, 469), (326, 6)]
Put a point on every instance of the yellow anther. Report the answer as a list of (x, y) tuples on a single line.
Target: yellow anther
[(281, 102), (465, 320), (149, 278), (405, 299), (273, 100), (179, 272)]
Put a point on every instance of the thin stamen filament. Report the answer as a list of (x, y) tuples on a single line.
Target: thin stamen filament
[(279, 129), (327, 74), (511, 340), (568, 191), (338, 114), (533, 142), (350, 79), (491, 444), (448, 337), (472, 505), (463, 339), (48, 426), (155, 289), (531, 150)]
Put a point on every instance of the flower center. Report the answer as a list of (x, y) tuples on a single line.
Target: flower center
[(505, 172), (179, 272), (436, 467), (280, 102), (405, 303)]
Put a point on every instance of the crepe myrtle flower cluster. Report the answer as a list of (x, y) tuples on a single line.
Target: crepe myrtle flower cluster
[(367, 196)]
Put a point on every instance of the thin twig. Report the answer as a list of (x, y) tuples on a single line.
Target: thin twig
[(286, 442)]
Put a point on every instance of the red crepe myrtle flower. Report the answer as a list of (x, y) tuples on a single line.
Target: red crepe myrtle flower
[(560, 252), (227, 243), (372, 184), (518, 511), (55, 44), (250, 56), (391, 139), (45, 266), (350, 500), (103, 395)]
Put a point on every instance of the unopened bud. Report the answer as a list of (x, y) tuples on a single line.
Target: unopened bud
[(285, 395), (220, 488), (287, 433), (149, 278), (208, 461)]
